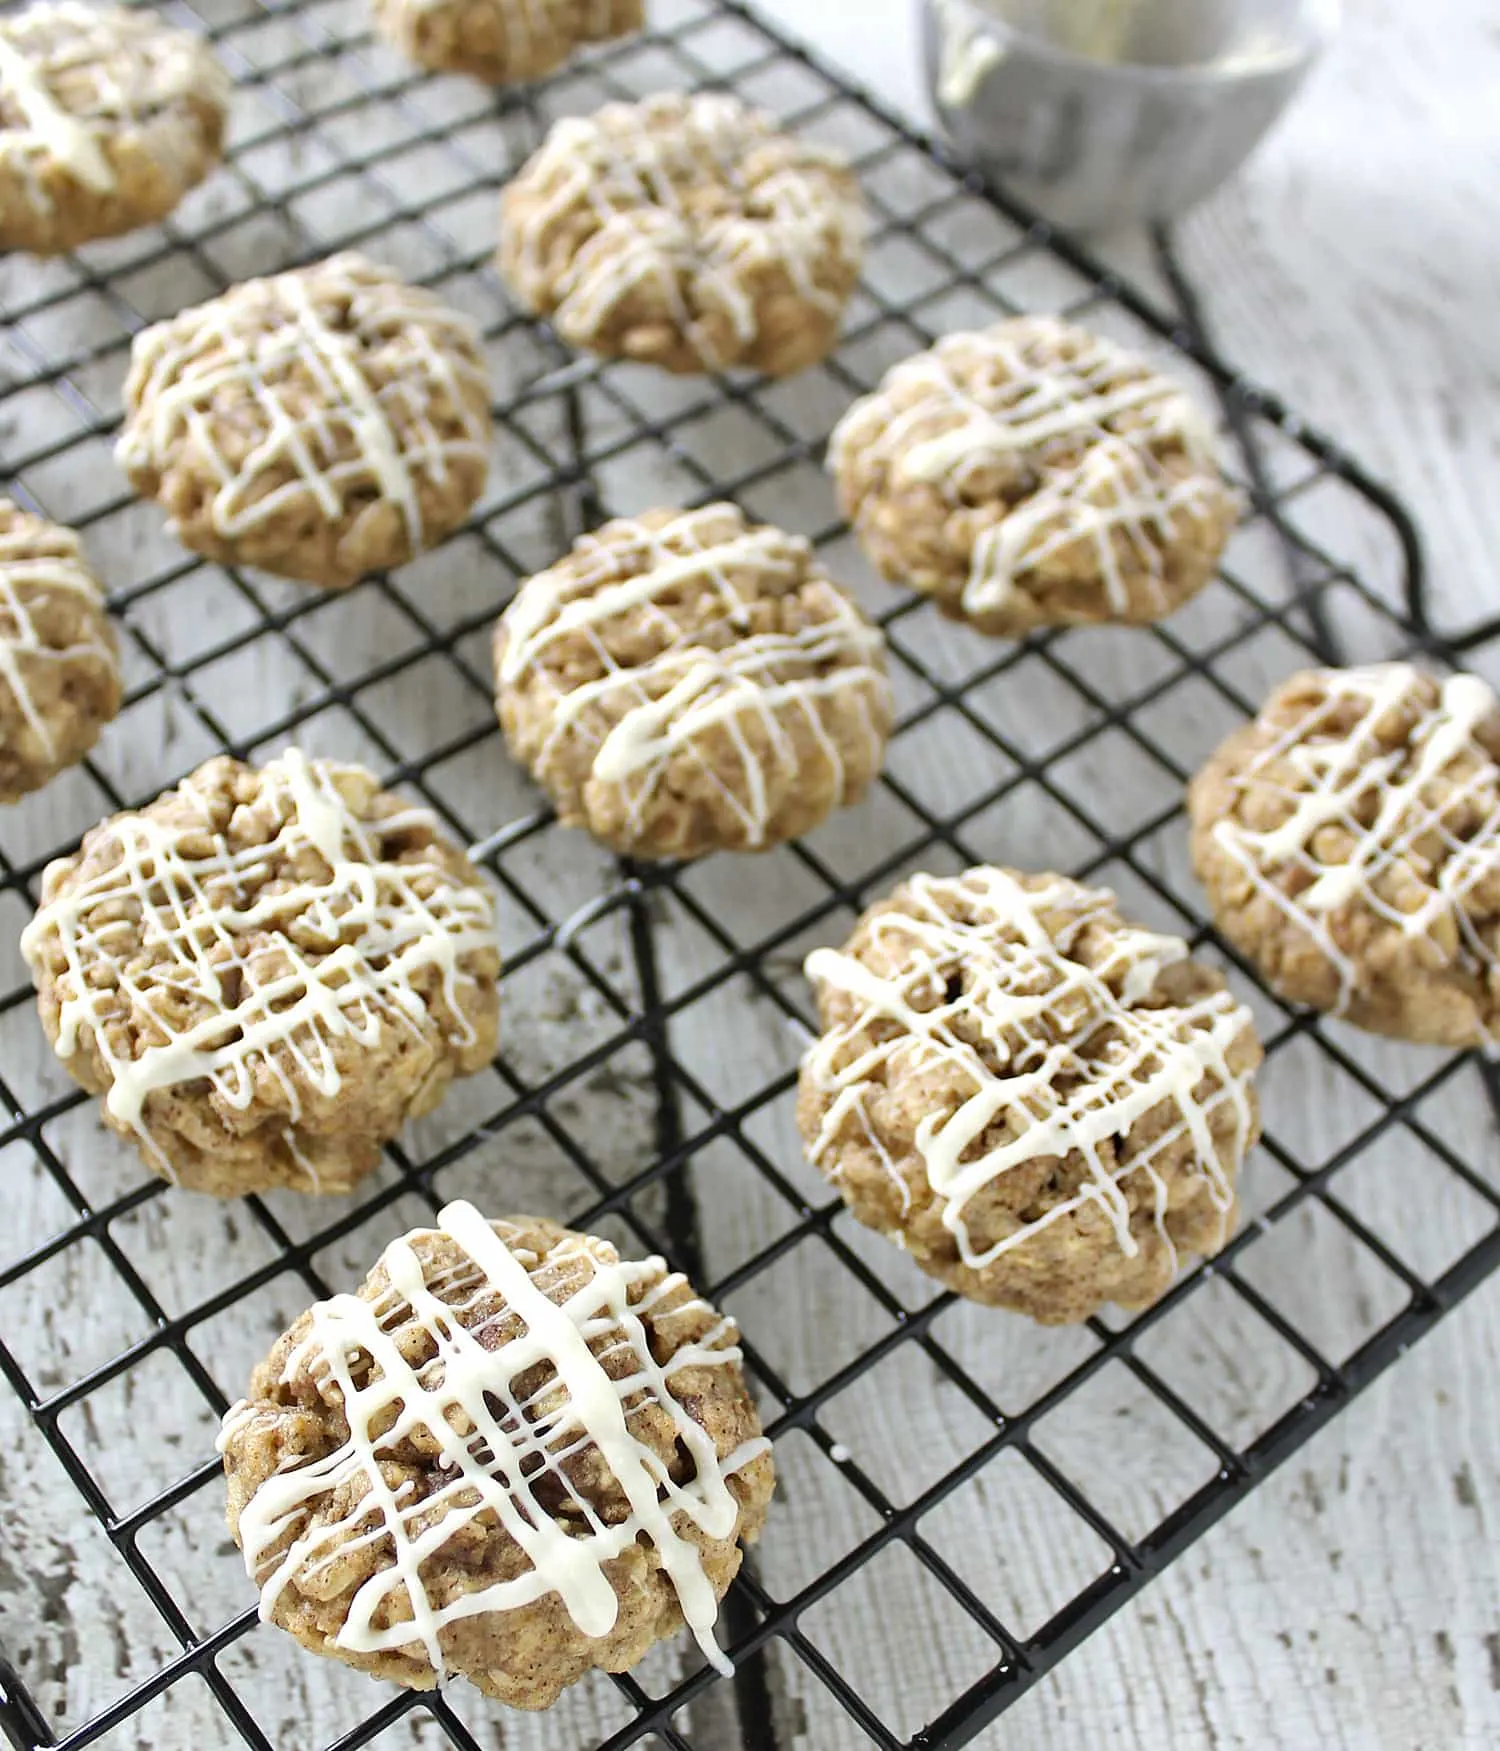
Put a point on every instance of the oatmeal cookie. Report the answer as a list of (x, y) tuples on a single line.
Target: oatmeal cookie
[(1045, 1105), (266, 972), (502, 41), (684, 682), (1349, 840), (510, 1455), (685, 231), (59, 677), (322, 423), (1032, 474), (107, 118)]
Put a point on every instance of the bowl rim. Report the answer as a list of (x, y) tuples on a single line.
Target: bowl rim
[(1324, 19)]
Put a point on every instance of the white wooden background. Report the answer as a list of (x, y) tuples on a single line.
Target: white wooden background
[(1353, 1602)]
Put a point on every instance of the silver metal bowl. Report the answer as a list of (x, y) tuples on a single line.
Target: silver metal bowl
[(1103, 112)]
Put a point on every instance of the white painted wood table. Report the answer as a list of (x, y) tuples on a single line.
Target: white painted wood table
[(1354, 1601)]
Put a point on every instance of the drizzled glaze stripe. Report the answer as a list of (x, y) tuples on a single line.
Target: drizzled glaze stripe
[(1055, 1054), (497, 1448), (212, 928), (661, 708), (632, 165), (136, 69), (182, 368), (1341, 772), (27, 579), (1082, 415)]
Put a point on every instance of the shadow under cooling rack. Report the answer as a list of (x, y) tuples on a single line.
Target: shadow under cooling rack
[(964, 1497)]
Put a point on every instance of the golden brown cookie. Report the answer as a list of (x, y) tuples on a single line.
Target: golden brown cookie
[(1045, 1105), (509, 1455), (59, 672), (266, 972), (107, 118), (322, 424), (1032, 474), (502, 41), (1349, 840), (684, 682), (687, 232)]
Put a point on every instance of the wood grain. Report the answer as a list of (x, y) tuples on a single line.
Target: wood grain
[(1351, 1601)]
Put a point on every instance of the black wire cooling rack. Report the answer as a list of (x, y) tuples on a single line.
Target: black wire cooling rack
[(964, 1497)]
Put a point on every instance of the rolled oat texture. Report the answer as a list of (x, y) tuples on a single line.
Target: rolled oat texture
[(1046, 1106), (321, 424), (510, 1455), (502, 41), (685, 232), (1032, 474), (107, 118), (1349, 841), (59, 669), (684, 682), (266, 972)]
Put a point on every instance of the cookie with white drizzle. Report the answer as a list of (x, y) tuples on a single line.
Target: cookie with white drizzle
[(266, 972), (1032, 474), (59, 669), (1349, 841), (502, 41), (684, 682), (686, 232), (509, 1455), (1045, 1105), (107, 118), (322, 423)]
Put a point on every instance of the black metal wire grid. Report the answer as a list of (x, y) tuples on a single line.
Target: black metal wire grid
[(655, 1014)]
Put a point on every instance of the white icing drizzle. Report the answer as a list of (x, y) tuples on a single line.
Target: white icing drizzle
[(28, 578), (496, 1446), (1079, 1064), (1030, 406), (123, 71), (53, 131), (182, 369), (1341, 773), (632, 164), (216, 930), (663, 706)]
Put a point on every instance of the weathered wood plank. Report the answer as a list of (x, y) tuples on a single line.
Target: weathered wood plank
[(1348, 1603)]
